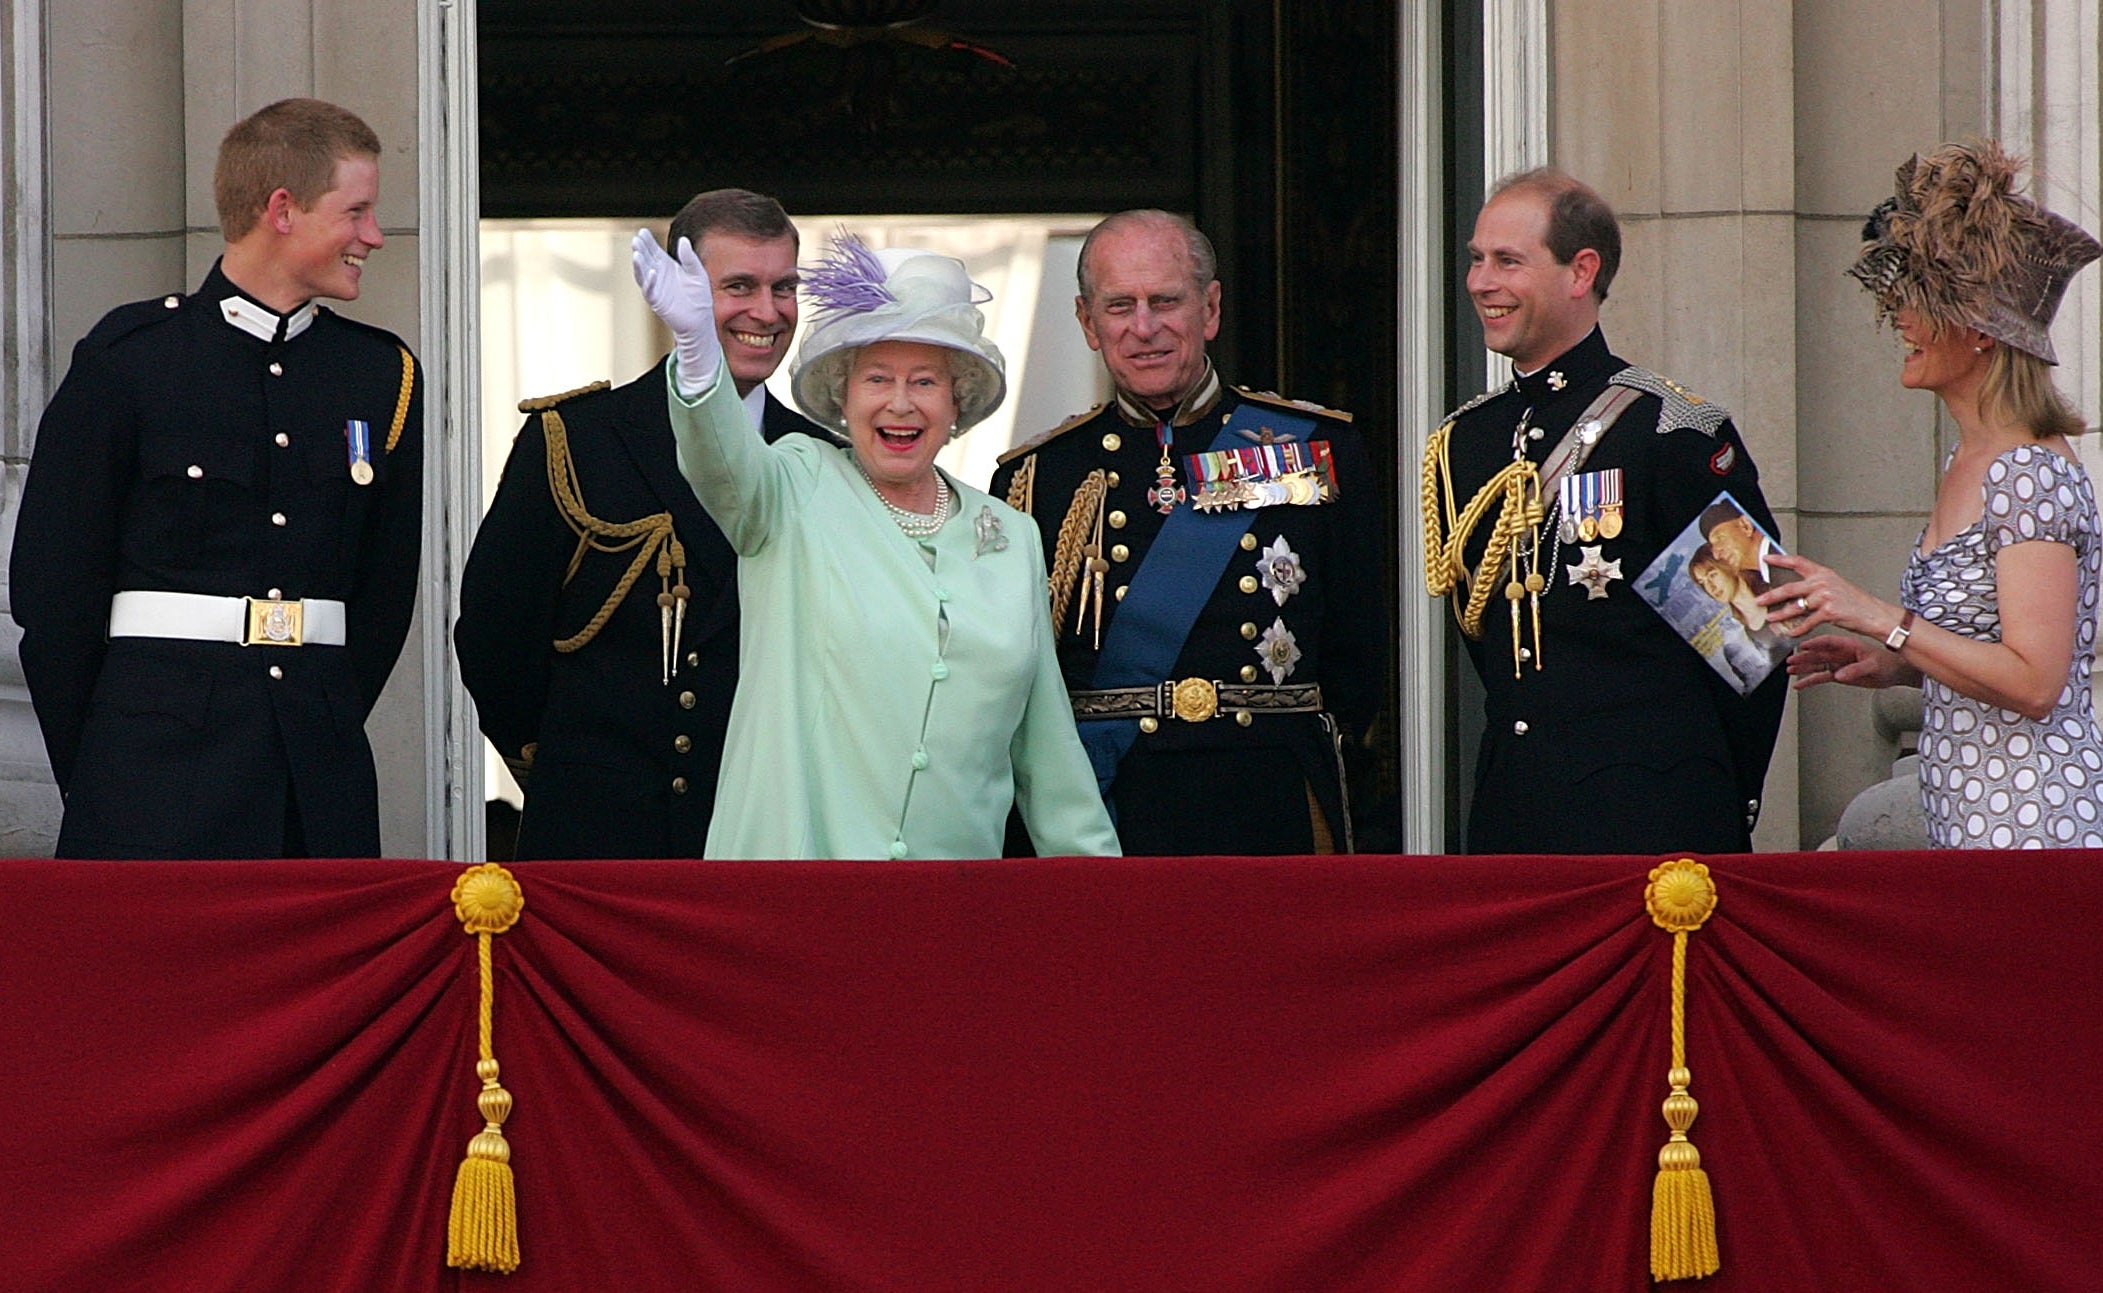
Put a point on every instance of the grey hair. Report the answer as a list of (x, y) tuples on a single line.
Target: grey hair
[(973, 384), (1204, 262)]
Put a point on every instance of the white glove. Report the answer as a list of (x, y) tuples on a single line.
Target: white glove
[(679, 292)]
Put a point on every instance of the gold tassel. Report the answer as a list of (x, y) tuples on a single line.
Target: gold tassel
[(1680, 898), (482, 1232)]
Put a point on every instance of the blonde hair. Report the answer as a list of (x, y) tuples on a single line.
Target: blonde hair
[(2018, 386), (294, 145)]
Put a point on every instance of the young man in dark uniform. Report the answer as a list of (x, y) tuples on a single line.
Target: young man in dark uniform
[(1215, 571), (598, 611), (216, 559), (1607, 732)]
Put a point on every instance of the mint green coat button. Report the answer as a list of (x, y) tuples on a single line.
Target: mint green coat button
[(897, 849), (940, 671), (920, 760)]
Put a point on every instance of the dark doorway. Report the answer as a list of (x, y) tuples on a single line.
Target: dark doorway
[(1272, 124)]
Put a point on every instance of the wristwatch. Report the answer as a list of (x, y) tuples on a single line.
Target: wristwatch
[(1898, 636)]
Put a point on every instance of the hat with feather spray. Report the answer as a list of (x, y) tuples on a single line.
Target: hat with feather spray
[(1959, 245)]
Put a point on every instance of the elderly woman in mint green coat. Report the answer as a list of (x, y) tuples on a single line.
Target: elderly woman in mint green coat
[(897, 685)]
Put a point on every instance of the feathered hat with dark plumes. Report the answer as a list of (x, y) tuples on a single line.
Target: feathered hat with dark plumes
[(893, 294), (1958, 244)]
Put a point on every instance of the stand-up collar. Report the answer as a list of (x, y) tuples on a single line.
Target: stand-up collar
[(1194, 405), (252, 317), (1583, 365)]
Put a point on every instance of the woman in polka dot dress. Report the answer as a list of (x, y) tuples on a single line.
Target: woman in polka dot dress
[(1996, 619)]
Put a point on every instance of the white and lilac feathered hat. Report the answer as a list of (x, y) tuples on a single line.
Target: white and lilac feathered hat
[(896, 294)]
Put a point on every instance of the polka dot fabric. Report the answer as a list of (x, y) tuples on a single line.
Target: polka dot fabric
[(1990, 778)]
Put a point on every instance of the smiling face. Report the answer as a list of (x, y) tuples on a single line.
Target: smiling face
[(1146, 312), (1945, 363), (755, 281), (1532, 309), (323, 247), (899, 405)]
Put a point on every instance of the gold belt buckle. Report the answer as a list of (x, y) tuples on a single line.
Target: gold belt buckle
[(1195, 700), (273, 623)]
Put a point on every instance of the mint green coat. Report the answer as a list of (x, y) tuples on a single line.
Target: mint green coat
[(895, 695)]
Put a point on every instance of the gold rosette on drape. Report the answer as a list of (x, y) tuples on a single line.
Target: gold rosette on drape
[(1680, 898), (482, 1233)]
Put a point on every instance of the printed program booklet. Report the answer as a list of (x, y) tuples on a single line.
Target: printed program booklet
[(1705, 591)]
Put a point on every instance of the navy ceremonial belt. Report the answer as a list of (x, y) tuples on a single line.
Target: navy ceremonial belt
[(1195, 700)]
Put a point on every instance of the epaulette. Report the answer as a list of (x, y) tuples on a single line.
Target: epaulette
[(1284, 402), (1475, 403), (542, 403), (1034, 443), (1683, 408), (129, 318)]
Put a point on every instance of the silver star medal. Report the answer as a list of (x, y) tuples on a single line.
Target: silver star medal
[(1280, 568), (1594, 573), (990, 539), (1278, 651)]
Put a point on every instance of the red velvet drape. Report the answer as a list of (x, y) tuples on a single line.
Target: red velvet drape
[(1200, 1074)]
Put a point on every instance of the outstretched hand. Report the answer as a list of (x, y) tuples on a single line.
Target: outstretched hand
[(1819, 595), (1834, 657), (679, 292)]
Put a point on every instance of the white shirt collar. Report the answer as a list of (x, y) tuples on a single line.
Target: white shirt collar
[(260, 323)]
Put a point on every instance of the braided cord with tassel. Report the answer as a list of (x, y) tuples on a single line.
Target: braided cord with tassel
[(482, 1230), (1446, 567), (1680, 898)]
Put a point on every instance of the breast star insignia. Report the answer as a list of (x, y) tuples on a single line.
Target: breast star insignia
[(1594, 572)]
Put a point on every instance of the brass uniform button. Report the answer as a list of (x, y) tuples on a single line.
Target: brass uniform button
[(1113, 442), (1120, 594), (283, 440), (693, 658), (1150, 724), (1244, 717), (1519, 728), (686, 700), (277, 370), (679, 785), (277, 518), (275, 594), (276, 672), (1248, 632), (1248, 673), (1248, 543), (1112, 480), (1120, 553), (1117, 520), (682, 743), (194, 472), (1249, 584)]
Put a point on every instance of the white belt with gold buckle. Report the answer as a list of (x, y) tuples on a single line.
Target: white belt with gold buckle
[(249, 621)]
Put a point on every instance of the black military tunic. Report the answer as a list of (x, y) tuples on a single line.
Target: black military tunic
[(624, 760), (1624, 740), (184, 454), (1222, 786)]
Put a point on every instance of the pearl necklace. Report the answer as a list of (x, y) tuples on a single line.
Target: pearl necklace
[(917, 525)]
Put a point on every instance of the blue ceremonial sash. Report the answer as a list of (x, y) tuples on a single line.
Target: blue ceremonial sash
[(1171, 586)]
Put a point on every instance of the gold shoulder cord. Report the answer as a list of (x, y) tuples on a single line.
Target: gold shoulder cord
[(1022, 487), (1077, 558), (1515, 492), (401, 403), (651, 536)]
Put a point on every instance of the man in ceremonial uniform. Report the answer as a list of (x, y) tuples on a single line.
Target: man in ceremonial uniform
[(1546, 500), (598, 611), (1214, 569), (216, 558)]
